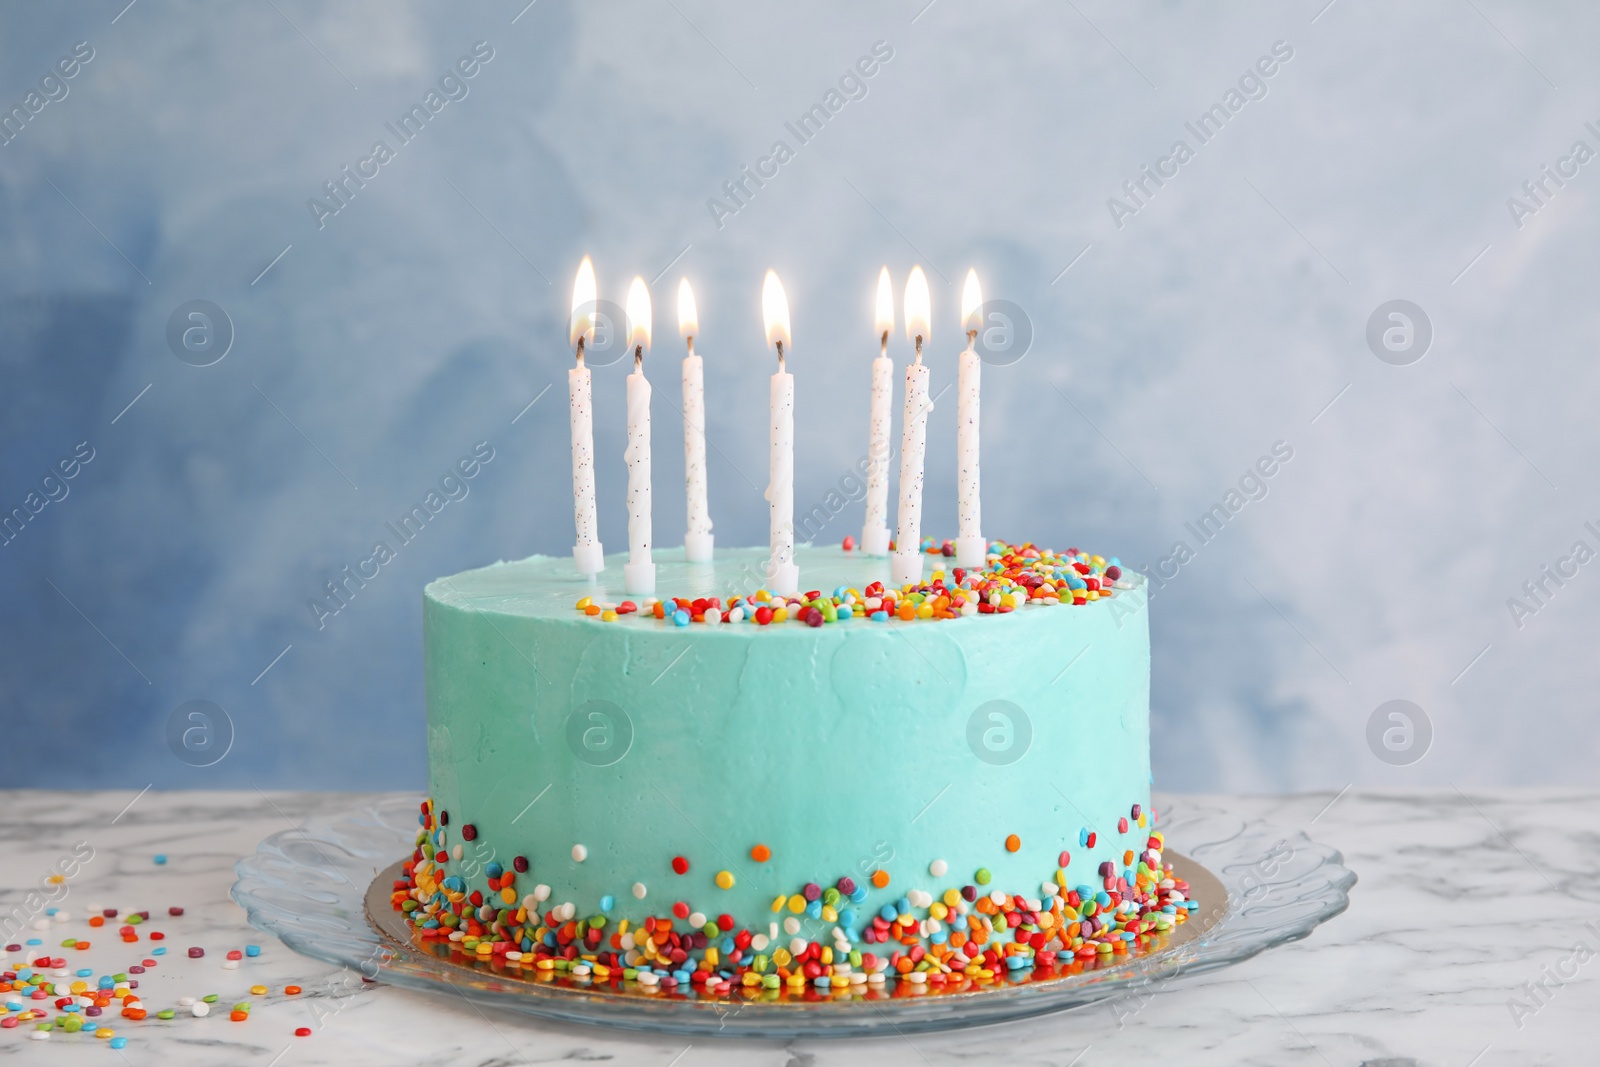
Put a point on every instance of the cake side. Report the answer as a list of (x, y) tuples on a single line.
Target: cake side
[(775, 761)]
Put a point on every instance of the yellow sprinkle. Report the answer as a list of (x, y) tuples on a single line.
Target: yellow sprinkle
[(584, 602), (608, 616), (258, 990), (797, 903), (780, 614), (724, 880)]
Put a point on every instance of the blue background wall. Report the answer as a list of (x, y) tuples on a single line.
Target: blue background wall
[(1221, 317)]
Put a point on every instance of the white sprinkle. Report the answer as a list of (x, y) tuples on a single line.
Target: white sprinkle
[(230, 965), (530, 902), (797, 945), (579, 853), (639, 890), (456, 852), (791, 925), (541, 893), (697, 919), (997, 897), (759, 942), (938, 868), (772, 930), (199, 1009), (184, 1002)]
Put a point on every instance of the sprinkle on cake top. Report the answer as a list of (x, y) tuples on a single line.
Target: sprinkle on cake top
[(1012, 576)]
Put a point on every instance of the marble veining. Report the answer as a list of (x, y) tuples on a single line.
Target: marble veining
[(1452, 952)]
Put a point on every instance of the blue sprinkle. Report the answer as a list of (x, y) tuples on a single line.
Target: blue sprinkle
[(814, 909), (888, 912), (1083, 837), (680, 617), (252, 950), (880, 616), (119, 1042), (607, 902), (847, 918), (85, 972), (493, 870), (34, 941), (160, 859)]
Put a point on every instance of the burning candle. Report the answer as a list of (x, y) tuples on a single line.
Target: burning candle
[(639, 573), (970, 545), (875, 534), (782, 573), (586, 553), (906, 561), (697, 538)]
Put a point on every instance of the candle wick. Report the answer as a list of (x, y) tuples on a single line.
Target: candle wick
[(780, 356), (690, 341), (919, 348), (638, 358), (972, 337), (580, 351), (883, 344)]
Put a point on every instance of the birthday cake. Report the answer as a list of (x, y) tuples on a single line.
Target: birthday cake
[(720, 788)]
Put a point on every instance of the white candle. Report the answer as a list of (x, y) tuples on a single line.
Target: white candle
[(697, 538), (906, 561), (639, 573), (782, 573), (587, 553), (970, 545), (875, 533)]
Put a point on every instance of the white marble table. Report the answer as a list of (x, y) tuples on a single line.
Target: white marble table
[(1450, 925)]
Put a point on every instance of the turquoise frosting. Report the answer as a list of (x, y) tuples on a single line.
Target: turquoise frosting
[(845, 749)]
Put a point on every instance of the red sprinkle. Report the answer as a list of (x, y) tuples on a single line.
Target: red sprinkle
[(302, 1031), (469, 832), (680, 865)]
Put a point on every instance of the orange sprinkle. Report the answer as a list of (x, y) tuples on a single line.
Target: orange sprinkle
[(238, 1016), (292, 990), (761, 853), (97, 920), (1013, 842), (81, 945), (880, 878)]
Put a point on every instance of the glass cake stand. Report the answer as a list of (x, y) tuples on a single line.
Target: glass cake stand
[(324, 890)]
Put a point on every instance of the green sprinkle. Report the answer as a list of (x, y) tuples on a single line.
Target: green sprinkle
[(210, 998), (983, 876), (166, 1013)]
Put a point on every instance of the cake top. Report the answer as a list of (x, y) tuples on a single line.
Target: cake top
[(840, 584)]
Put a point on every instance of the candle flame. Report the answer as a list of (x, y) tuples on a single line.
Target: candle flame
[(583, 304), (884, 322), (638, 311), (918, 311), (971, 303), (688, 315), (775, 310)]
